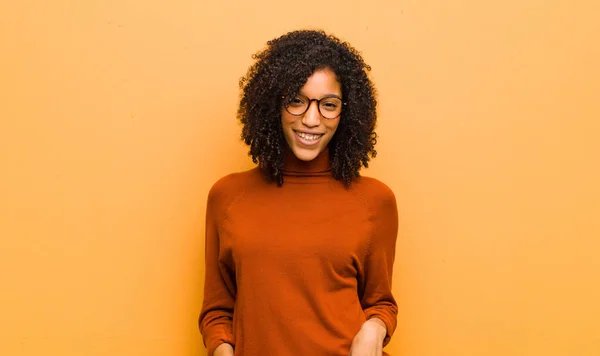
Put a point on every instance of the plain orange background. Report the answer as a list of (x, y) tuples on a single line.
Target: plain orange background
[(117, 117)]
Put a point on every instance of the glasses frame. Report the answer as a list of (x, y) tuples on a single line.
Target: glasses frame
[(287, 100)]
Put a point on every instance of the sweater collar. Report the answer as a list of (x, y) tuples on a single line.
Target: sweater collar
[(293, 166)]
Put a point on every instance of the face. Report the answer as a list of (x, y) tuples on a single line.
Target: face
[(309, 134)]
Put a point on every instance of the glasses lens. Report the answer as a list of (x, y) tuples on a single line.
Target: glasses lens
[(297, 105), (330, 107)]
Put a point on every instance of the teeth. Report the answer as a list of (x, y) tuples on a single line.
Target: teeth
[(308, 136)]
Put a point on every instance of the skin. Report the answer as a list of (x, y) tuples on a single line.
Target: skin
[(320, 84), (369, 339), (223, 350)]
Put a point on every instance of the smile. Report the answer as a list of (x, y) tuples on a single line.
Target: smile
[(308, 137)]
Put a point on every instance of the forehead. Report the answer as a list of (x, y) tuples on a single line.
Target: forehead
[(322, 82)]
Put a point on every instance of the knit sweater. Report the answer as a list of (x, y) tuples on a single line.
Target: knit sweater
[(297, 269)]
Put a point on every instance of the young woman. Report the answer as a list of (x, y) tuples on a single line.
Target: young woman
[(300, 250)]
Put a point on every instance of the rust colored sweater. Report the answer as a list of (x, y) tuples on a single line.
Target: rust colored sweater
[(296, 269)]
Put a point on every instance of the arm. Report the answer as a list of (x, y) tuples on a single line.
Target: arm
[(376, 296), (369, 340), (219, 290), (223, 350)]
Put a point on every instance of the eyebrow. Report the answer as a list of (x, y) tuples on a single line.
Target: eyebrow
[(323, 97)]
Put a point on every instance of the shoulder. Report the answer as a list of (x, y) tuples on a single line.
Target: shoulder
[(227, 188), (380, 201), (373, 188), (376, 195)]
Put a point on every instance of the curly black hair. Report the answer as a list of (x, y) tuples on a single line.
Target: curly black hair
[(281, 70)]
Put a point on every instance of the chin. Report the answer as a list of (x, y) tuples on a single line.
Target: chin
[(304, 154)]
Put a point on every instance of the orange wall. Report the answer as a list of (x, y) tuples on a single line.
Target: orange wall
[(117, 116)]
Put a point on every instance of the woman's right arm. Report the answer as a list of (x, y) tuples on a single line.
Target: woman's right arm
[(219, 286), (223, 350)]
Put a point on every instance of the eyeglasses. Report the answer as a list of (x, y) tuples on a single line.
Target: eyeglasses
[(330, 107)]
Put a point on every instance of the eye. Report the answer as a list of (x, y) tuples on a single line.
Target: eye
[(297, 101), (330, 105)]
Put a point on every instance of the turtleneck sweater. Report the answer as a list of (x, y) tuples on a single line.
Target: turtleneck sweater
[(296, 269)]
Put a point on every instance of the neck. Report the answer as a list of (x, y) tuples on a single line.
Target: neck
[(321, 163)]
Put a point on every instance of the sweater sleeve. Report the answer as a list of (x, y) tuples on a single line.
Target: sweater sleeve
[(377, 300), (219, 286)]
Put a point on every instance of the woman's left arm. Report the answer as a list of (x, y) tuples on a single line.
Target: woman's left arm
[(375, 286)]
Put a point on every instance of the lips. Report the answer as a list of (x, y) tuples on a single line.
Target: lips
[(308, 136), (307, 139)]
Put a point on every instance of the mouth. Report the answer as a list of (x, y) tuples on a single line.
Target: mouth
[(307, 138)]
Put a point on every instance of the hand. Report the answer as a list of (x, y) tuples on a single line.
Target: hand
[(223, 350), (369, 340)]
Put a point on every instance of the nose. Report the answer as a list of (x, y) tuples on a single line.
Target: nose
[(312, 116)]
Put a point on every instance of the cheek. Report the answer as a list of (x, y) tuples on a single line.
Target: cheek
[(286, 119), (332, 125)]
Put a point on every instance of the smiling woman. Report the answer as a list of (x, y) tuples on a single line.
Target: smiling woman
[(309, 128), (278, 84), (322, 287)]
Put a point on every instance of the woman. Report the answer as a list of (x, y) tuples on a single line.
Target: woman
[(299, 250)]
